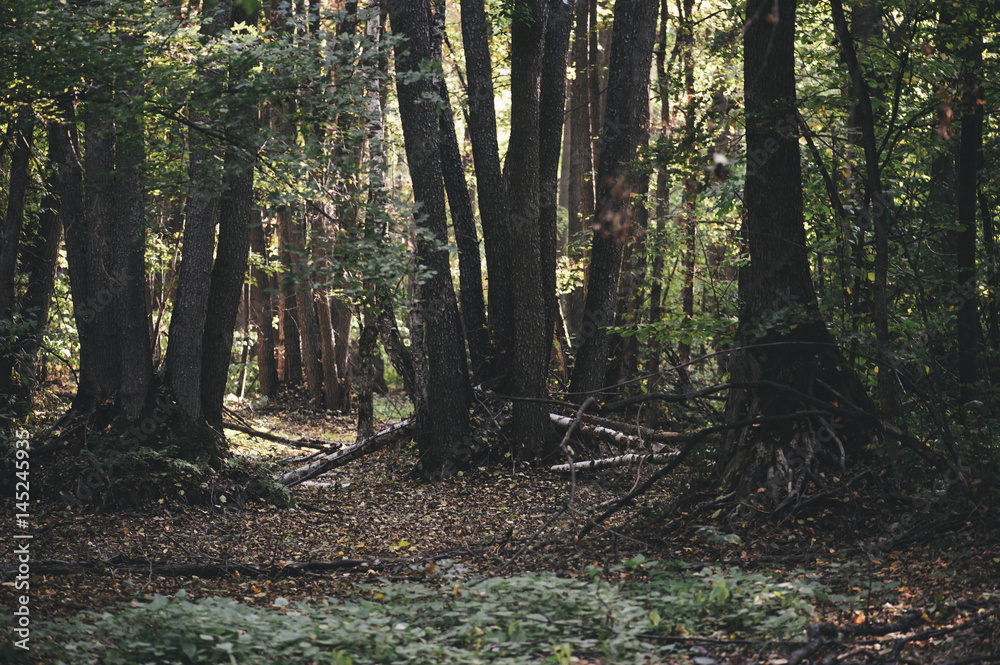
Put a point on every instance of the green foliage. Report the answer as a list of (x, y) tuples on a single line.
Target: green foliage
[(521, 619)]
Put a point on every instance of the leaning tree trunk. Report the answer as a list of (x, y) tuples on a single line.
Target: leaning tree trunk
[(632, 40), (17, 187), (444, 394), (773, 462), (493, 208)]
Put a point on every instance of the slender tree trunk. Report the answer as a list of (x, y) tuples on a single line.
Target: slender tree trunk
[(39, 256), (581, 160), (493, 207), (879, 211), (260, 299), (463, 219), (229, 270), (532, 340), (971, 145), (552, 109), (132, 315), (288, 312), (10, 244), (444, 399), (631, 54)]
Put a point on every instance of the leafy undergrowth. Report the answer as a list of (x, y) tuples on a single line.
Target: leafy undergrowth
[(487, 567), (525, 618)]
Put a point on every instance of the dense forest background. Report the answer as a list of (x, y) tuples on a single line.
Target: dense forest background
[(771, 220)]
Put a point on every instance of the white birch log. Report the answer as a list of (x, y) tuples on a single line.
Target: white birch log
[(622, 460)]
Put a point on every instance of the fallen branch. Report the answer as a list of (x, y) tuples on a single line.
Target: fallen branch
[(599, 431), (644, 433), (622, 460), (178, 569), (341, 457), (301, 442)]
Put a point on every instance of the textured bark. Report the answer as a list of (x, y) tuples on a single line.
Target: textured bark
[(971, 146), (532, 340), (230, 267), (877, 211), (443, 405), (131, 308), (552, 108), (185, 350), (773, 464), (39, 256), (463, 220), (628, 89), (581, 160), (17, 188), (288, 324), (493, 208), (262, 311), (10, 242)]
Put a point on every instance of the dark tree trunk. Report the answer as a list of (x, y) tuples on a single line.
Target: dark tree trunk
[(287, 311), (10, 245), (877, 210), (261, 308), (581, 160), (446, 400), (632, 40), (463, 219), (532, 340), (552, 106), (229, 270), (493, 208), (132, 315), (971, 145), (17, 189), (773, 464), (39, 255)]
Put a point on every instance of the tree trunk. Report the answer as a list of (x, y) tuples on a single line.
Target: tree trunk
[(444, 405), (971, 145), (260, 299), (552, 108), (39, 256), (581, 160), (878, 210), (229, 271), (532, 340), (773, 464), (632, 40), (493, 208), (463, 219), (10, 244)]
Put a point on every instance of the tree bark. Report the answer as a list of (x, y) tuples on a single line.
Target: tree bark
[(532, 340), (463, 220), (493, 207), (581, 160), (443, 434), (10, 245), (632, 40), (773, 464), (260, 299)]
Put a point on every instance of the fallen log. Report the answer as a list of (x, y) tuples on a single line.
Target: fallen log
[(645, 433), (609, 462), (379, 440), (614, 436), (189, 569), (301, 442)]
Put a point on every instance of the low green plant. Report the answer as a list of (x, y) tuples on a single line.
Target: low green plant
[(522, 619)]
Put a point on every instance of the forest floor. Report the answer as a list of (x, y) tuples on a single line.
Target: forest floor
[(908, 575)]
